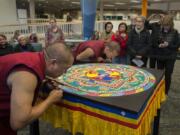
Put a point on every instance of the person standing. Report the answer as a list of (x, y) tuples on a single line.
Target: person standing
[(121, 37), (167, 47), (54, 34), (139, 43), (155, 28)]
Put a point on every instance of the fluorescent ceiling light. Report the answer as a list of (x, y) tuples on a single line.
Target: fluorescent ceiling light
[(119, 3), (157, 0), (108, 5), (135, 1), (75, 2)]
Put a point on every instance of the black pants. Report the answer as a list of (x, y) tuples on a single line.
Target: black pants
[(153, 62), (168, 66)]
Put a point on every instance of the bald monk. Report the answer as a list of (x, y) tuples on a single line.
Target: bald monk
[(20, 77), (96, 51)]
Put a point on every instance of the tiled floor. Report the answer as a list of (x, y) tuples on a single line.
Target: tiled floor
[(170, 114)]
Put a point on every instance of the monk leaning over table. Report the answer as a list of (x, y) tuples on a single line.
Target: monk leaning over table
[(96, 51), (20, 77)]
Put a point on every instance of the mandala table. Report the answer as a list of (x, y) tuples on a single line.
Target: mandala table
[(126, 112)]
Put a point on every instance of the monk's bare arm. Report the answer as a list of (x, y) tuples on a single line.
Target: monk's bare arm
[(23, 86), (85, 54)]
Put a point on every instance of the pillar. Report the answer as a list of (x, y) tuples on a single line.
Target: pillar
[(101, 10), (88, 8), (144, 8), (32, 9)]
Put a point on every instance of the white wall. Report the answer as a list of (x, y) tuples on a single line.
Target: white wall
[(8, 13)]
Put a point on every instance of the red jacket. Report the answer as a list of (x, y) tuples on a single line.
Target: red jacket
[(33, 62), (121, 41), (96, 45)]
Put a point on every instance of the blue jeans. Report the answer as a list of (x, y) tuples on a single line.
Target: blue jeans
[(120, 60)]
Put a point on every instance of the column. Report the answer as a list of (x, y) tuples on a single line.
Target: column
[(32, 8), (32, 15), (168, 6), (144, 8), (101, 9), (88, 8)]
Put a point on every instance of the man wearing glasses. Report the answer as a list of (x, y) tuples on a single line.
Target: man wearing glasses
[(21, 75)]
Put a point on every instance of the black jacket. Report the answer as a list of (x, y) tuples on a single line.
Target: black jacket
[(6, 49), (170, 52), (155, 29), (138, 44), (26, 48)]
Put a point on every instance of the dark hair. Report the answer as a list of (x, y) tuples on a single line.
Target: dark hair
[(58, 51), (123, 23), (107, 24), (33, 37), (1, 35)]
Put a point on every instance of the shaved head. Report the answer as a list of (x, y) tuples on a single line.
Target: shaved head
[(113, 46), (59, 52), (58, 59)]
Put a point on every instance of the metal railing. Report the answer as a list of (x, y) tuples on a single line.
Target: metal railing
[(69, 29), (42, 21), (40, 29)]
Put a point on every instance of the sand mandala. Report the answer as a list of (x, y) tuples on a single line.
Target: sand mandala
[(106, 80)]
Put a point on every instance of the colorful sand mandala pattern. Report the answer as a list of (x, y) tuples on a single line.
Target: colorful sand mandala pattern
[(106, 80)]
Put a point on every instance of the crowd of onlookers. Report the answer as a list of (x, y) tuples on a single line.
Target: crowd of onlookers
[(144, 40), (22, 43), (132, 44), (18, 43)]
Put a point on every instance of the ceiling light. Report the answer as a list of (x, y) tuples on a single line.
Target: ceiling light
[(157, 0), (108, 5), (135, 1), (119, 3), (75, 3)]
